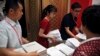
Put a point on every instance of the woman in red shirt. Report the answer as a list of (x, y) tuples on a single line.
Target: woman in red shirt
[(47, 14)]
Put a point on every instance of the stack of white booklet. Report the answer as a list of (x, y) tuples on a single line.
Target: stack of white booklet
[(52, 51), (72, 42), (60, 50), (65, 49), (32, 47), (56, 34), (81, 36)]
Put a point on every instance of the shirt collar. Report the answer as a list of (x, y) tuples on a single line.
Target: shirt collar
[(11, 21), (94, 38)]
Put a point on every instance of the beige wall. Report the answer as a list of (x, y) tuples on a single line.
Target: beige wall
[(96, 2)]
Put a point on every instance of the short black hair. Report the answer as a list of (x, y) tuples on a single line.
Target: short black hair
[(10, 4), (91, 18), (75, 5), (48, 10)]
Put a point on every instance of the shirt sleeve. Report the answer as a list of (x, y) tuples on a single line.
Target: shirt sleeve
[(44, 24), (66, 21), (3, 39)]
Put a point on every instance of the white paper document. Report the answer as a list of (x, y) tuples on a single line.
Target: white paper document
[(72, 42), (56, 34), (81, 36), (32, 47), (58, 50), (20, 50), (52, 51), (65, 49)]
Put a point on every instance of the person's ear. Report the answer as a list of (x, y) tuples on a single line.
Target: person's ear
[(11, 11)]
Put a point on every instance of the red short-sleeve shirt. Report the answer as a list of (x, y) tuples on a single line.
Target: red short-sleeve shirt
[(44, 24)]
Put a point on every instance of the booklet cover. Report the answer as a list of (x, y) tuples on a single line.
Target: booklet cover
[(72, 42), (52, 51), (81, 36), (58, 50), (56, 34), (65, 49), (32, 47)]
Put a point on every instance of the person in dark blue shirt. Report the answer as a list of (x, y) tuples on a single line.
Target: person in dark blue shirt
[(68, 23)]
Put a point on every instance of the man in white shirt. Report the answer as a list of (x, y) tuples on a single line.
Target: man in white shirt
[(10, 30)]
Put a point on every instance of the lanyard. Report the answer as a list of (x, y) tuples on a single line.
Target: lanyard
[(15, 32)]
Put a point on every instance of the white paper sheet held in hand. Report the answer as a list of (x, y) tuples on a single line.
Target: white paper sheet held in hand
[(20, 50), (33, 46), (56, 34)]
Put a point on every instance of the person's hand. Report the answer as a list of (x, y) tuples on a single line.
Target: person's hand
[(76, 37), (32, 54), (11, 49), (24, 40), (53, 39), (79, 39)]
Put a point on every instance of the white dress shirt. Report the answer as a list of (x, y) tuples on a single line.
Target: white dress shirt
[(10, 34)]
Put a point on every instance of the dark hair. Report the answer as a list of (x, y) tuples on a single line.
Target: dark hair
[(10, 4), (48, 10), (91, 18), (75, 5)]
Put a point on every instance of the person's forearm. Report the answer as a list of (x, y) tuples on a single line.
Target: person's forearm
[(76, 29), (70, 33), (7, 52), (41, 34), (44, 36)]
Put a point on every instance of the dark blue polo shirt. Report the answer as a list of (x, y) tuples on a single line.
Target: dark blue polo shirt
[(68, 21)]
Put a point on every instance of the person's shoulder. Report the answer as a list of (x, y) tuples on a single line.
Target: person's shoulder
[(44, 20), (90, 45), (89, 48), (67, 16), (3, 24)]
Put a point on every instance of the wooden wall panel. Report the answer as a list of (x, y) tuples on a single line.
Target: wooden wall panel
[(33, 10), (45, 3)]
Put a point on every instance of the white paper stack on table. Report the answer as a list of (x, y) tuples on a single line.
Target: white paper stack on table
[(81, 36), (72, 42), (60, 50), (31, 47), (56, 34), (52, 51), (65, 49)]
